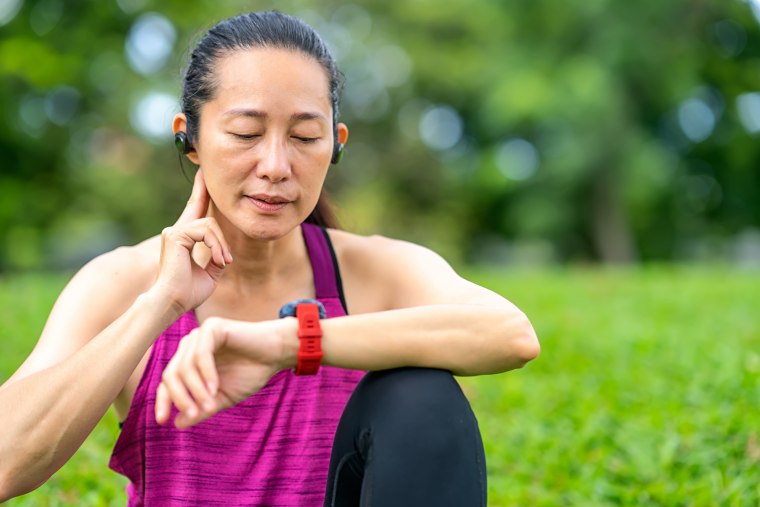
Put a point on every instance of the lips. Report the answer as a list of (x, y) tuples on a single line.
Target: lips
[(268, 203)]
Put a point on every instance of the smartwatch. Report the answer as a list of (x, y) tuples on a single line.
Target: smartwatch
[(308, 312)]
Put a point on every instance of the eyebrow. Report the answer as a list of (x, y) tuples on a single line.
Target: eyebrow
[(245, 112), (254, 113), (307, 116)]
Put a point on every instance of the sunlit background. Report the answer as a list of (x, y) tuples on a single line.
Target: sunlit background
[(524, 132)]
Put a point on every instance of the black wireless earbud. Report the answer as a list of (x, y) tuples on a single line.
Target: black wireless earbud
[(182, 143), (338, 151)]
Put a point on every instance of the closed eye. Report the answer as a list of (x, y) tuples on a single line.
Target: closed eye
[(306, 139), (246, 137)]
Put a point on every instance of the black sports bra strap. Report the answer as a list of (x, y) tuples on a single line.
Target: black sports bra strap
[(324, 263)]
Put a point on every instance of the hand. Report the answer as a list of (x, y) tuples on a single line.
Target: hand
[(180, 278), (222, 363)]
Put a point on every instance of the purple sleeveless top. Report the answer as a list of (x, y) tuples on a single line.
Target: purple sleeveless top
[(272, 449)]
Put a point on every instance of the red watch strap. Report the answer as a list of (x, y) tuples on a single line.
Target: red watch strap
[(309, 339)]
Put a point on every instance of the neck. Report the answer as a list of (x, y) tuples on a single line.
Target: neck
[(259, 262)]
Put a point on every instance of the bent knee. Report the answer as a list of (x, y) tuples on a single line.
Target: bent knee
[(417, 396)]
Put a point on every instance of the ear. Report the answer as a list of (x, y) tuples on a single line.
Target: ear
[(179, 124), (342, 133)]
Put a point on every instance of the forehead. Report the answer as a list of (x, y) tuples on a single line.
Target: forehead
[(272, 79)]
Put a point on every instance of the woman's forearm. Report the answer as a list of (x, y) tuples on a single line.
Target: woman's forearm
[(228, 360), (46, 416), (465, 339)]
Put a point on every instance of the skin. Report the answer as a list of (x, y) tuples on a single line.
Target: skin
[(234, 260)]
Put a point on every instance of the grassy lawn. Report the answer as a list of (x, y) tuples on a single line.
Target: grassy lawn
[(646, 392)]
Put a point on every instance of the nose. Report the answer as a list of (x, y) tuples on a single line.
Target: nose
[(273, 164)]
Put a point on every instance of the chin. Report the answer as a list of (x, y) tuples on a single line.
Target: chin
[(268, 228)]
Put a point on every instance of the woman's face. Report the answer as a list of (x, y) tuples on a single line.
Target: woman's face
[(265, 140)]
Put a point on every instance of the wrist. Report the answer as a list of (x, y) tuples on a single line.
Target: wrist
[(308, 313), (161, 302), (288, 333)]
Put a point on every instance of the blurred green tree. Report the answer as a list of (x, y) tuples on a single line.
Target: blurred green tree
[(602, 130), (492, 131)]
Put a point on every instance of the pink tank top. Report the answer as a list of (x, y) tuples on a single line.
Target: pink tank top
[(272, 449)]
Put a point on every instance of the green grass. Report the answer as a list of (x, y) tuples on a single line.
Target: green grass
[(646, 392)]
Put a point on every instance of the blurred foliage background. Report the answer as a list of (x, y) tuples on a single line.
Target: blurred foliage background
[(529, 131), (500, 133)]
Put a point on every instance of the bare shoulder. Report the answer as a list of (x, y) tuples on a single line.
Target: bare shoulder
[(377, 269), (138, 263), (117, 277), (97, 295), (377, 252)]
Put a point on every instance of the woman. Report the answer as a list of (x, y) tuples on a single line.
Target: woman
[(181, 334)]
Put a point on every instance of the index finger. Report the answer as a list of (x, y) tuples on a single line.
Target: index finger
[(197, 205), (163, 405)]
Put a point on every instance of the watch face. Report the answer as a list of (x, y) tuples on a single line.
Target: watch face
[(289, 309)]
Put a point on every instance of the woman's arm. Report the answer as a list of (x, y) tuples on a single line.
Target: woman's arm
[(52, 403), (436, 318), (431, 317), (100, 328), (465, 339)]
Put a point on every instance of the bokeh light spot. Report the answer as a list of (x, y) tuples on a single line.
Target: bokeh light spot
[(131, 6), (8, 10), (149, 43), (696, 119), (45, 15), (32, 115), (392, 65), (152, 115), (731, 38), (748, 106), (517, 159), (440, 127), (755, 6), (62, 104)]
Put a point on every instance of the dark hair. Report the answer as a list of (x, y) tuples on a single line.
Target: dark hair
[(271, 29)]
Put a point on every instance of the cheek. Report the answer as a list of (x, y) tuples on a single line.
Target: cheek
[(216, 189), (218, 151), (317, 160), (228, 158), (225, 166), (222, 180), (315, 176)]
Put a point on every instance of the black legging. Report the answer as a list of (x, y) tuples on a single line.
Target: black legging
[(407, 437)]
